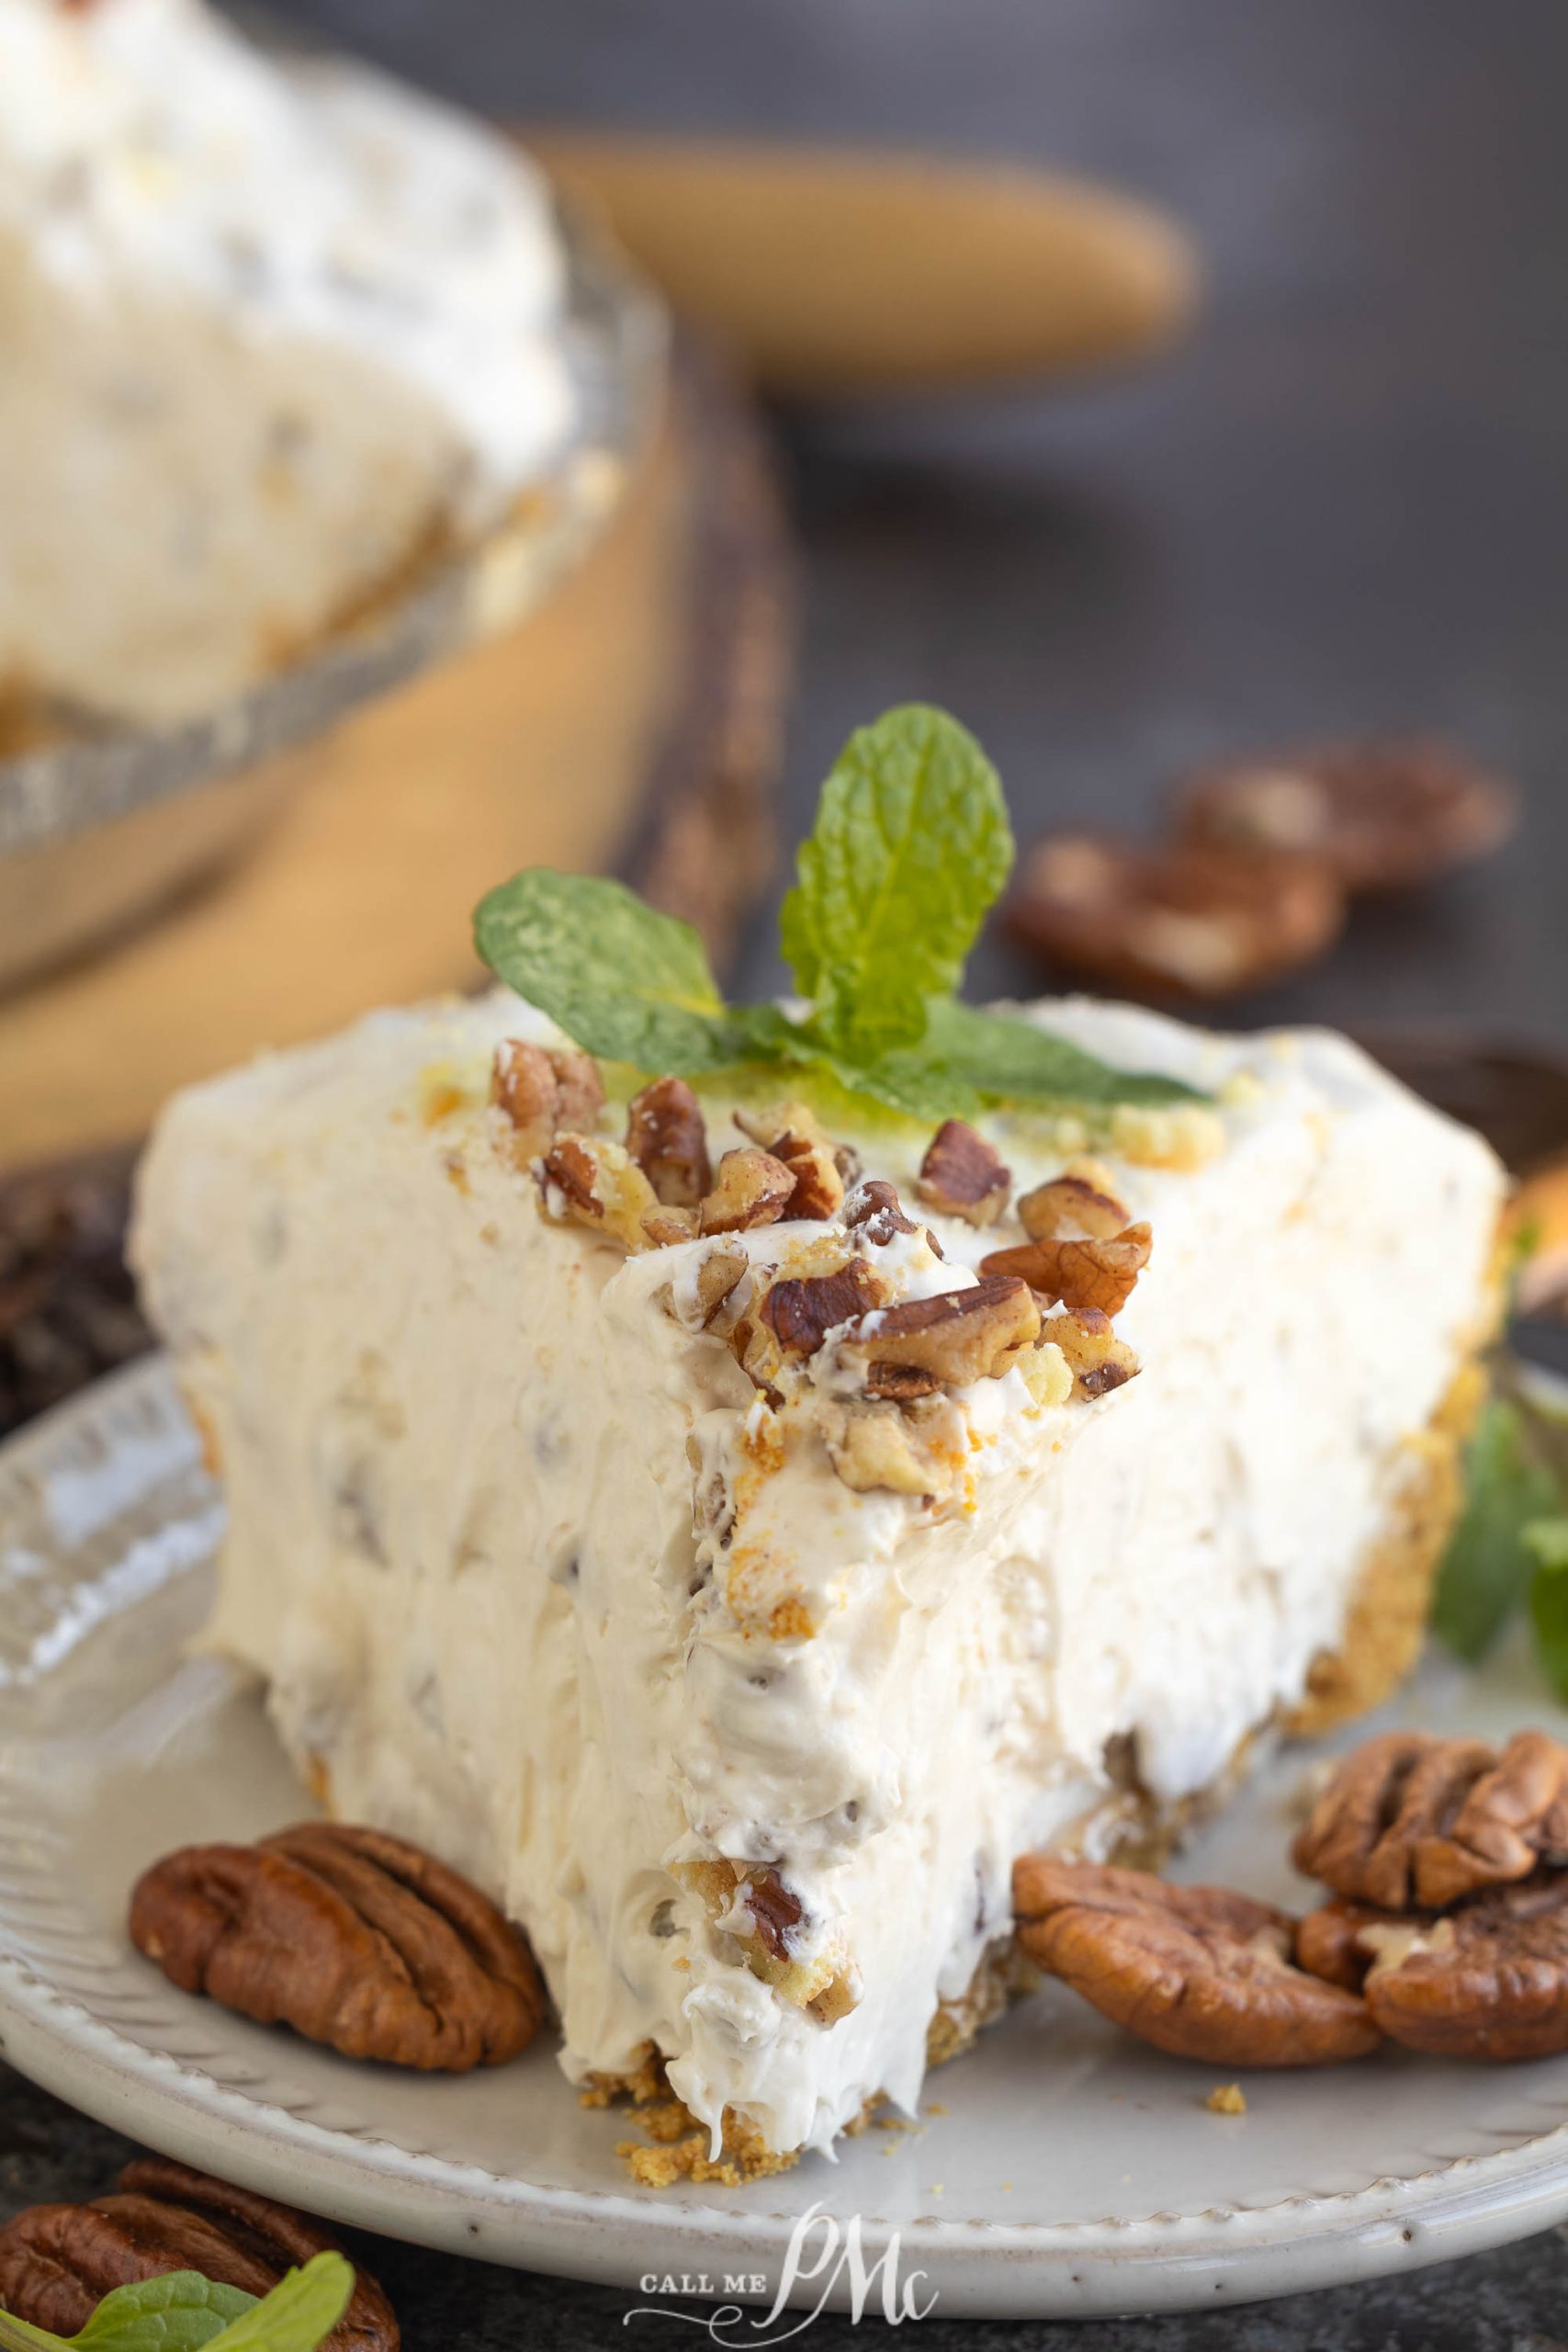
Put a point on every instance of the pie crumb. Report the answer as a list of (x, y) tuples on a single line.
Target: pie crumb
[(1226, 2099)]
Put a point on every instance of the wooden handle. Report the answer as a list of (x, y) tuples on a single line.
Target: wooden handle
[(835, 273)]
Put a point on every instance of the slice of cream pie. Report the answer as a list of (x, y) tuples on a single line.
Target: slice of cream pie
[(735, 1529)]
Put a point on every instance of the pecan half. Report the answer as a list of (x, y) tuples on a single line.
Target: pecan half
[(959, 1335), (800, 1312), (1071, 1204), (543, 1089), (598, 1183), (58, 2262), (1196, 1970), (1328, 1940), (753, 1188), (962, 1175), (1187, 919), (874, 1211), (667, 1137), (1486, 1981), (1383, 816), (1097, 1359), (790, 1132), (353, 1937), (1413, 1821), (1079, 1271)]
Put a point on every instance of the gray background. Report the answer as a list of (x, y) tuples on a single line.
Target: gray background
[(1344, 505)]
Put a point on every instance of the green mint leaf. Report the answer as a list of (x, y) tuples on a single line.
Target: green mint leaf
[(621, 980), (180, 2311), (300, 2312), (1487, 1568), (1547, 1543), (1012, 1061), (910, 847)]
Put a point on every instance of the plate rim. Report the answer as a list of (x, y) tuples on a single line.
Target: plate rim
[(981, 2266)]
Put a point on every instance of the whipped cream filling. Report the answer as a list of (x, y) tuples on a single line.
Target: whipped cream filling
[(267, 330), (540, 1577)]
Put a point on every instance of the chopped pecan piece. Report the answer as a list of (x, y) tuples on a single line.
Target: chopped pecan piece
[(58, 2262), (962, 1175), (790, 1132), (1185, 917), (1382, 816), (1080, 1272), (1195, 1970), (801, 1312), (667, 1227), (1098, 1360), (1413, 1821), (666, 1136), (960, 1335), (880, 1448), (776, 1910), (543, 1089), (353, 1937), (753, 1188), (1486, 1981), (874, 1211), (598, 1183), (1071, 1205)]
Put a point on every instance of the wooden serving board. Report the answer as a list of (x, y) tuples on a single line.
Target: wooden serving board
[(633, 724)]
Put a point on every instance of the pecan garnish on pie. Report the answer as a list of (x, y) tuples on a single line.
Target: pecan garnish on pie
[(962, 1175), (351, 1936), (751, 1188), (597, 1182), (1198, 1971), (791, 1132), (542, 1090), (1099, 1360), (874, 1210), (1078, 1270), (801, 1310), (1411, 1821), (667, 1137), (957, 1337), (58, 2262)]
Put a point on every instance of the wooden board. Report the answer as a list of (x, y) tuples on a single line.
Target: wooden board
[(634, 723)]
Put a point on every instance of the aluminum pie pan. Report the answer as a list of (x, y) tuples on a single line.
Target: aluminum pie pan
[(90, 774)]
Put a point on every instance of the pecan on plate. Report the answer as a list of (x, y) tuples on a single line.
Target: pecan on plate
[(667, 1137), (1190, 919), (1412, 1821), (751, 1188), (962, 1175), (543, 1089), (353, 1937), (791, 1132), (58, 2262), (1196, 1970), (1077, 1269), (956, 1338), (1488, 1980), (1382, 816)]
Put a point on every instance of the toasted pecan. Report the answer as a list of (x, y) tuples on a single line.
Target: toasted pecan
[(351, 1936), (1488, 1980), (1079, 1271), (598, 1183), (542, 1088), (1071, 1205), (1412, 1820), (667, 1137), (962, 1175), (1196, 1970), (58, 2262), (751, 1188), (1097, 1359), (959, 1335), (801, 1311), (792, 1133)]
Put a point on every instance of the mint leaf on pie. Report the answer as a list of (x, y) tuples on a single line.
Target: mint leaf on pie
[(621, 980), (1488, 1566), (1011, 1061), (910, 847), (183, 2311)]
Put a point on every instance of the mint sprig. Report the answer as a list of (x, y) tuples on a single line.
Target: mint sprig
[(1509, 1548), (183, 2311), (910, 848)]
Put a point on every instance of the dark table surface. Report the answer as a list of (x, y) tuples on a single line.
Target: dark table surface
[(1342, 506)]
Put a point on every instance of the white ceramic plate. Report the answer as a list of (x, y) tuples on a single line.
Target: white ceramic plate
[(1062, 2168)]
